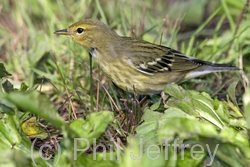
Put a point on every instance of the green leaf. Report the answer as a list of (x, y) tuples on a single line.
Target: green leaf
[(150, 115), (8, 86), (94, 125), (246, 100), (23, 87), (6, 107), (229, 155), (196, 104), (185, 105), (156, 105), (9, 130), (32, 128), (3, 71), (88, 131), (135, 156), (38, 104), (203, 105), (106, 159), (231, 92), (147, 130), (175, 112), (175, 91), (237, 139), (184, 128), (188, 160)]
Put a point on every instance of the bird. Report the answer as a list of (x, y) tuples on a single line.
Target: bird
[(135, 65)]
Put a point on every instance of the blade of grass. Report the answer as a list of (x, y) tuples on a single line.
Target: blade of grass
[(101, 11), (229, 17), (217, 28), (191, 42)]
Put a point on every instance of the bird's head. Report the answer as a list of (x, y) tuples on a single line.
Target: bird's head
[(89, 33)]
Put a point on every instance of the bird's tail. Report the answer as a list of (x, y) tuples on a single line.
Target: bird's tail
[(220, 67), (208, 67)]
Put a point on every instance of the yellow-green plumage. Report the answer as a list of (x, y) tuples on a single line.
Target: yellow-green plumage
[(134, 64)]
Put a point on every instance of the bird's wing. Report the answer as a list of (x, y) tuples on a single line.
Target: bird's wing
[(152, 59)]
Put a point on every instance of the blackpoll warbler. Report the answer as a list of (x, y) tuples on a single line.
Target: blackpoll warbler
[(134, 64)]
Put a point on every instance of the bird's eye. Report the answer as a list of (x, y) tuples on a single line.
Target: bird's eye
[(79, 30)]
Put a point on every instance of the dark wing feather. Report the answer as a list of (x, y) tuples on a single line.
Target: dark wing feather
[(150, 58)]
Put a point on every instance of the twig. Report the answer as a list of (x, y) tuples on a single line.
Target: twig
[(112, 100), (98, 92), (67, 91), (243, 75), (117, 144), (91, 84), (243, 12)]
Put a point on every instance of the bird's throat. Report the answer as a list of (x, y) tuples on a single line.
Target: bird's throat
[(93, 51)]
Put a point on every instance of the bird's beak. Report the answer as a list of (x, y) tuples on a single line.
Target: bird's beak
[(62, 32)]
